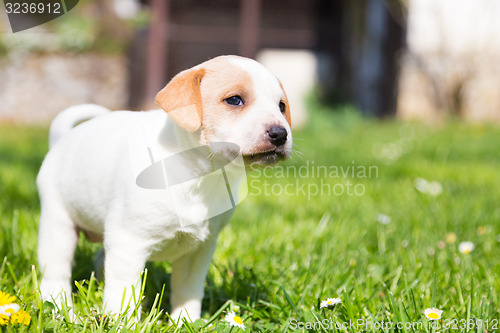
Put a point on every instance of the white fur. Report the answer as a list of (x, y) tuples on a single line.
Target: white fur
[(70, 117), (88, 182)]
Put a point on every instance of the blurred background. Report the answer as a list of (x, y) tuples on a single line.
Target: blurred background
[(420, 59)]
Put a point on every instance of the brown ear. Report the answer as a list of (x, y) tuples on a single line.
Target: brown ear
[(287, 107), (181, 99)]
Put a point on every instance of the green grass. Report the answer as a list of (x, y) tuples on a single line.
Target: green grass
[(287, 250)]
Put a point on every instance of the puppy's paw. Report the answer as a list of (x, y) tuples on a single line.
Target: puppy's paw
[(190, 311), (56, 291)]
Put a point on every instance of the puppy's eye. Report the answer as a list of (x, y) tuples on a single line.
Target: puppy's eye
[(282, 107), (234, 100)]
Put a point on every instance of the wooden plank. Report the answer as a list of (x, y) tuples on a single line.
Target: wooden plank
[(157, 50), (271, 37), (249, 28)]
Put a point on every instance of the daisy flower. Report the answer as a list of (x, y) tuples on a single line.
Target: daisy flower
[(433, 313), (11, 312), (431, 188), (451, 238), (388, 151), (330, 302), (384, 219), (9, 309), (421, 185), (434, 189), (234, 320), (466, 247)]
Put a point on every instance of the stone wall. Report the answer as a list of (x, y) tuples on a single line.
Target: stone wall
[(35, 87)]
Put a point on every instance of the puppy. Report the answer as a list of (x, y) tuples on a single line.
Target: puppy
[(89, 179)]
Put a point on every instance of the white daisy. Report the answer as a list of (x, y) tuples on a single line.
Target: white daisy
[(431, 188), (330, 302), (234, 320), (388, 151), (433, 313), (9, 309), (384, 219), (421, 185), (466, 247), (451, 238), (434, 189)]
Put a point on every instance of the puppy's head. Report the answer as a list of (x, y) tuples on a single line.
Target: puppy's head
[(232, 99)]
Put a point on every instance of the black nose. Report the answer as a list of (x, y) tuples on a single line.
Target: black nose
[(277, 135)]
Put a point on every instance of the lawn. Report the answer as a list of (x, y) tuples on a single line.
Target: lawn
[(368, 211)]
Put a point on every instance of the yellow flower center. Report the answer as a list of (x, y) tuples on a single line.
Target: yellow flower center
[(451, 238), (238, 320), (433, 315), (329, 302)]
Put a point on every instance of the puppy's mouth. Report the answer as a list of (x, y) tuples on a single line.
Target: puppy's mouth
[(265, 158)]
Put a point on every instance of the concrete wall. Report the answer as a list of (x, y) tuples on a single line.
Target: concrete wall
[(297, 71), (452, 65)]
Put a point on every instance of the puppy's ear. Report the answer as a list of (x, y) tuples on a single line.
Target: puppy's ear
[(287, 107), (181, 99)]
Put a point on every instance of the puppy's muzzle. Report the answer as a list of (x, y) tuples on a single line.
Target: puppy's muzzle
[(277, 135)]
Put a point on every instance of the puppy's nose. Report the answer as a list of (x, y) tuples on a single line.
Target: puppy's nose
[(277, 135)]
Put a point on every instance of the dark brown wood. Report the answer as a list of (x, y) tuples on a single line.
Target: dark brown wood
[(249, 29), (157, 50), (271, 37)]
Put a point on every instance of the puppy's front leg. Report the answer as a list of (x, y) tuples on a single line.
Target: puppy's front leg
[(187, 281), (125, 259)]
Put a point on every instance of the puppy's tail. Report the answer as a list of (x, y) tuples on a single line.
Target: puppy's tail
[(70, 117)]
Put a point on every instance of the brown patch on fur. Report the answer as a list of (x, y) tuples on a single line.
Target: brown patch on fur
[(287, 106), (181, 99)]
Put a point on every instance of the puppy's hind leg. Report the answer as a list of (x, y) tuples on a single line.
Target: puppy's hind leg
[(57, 241)]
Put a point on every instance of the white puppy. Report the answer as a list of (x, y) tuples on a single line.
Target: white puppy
[(89, 179)]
